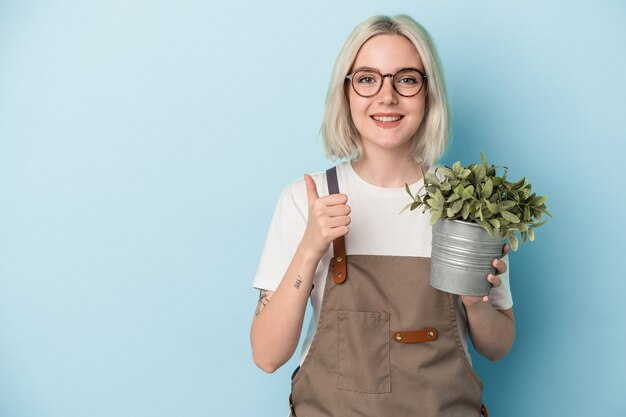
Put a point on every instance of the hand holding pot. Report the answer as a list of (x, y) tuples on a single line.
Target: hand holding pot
[(494, 280), (328, 219)]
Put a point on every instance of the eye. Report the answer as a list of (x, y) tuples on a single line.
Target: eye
[(366, 80), (408, 80)]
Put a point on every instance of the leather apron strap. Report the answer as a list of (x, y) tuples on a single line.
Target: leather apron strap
[(339, 244)]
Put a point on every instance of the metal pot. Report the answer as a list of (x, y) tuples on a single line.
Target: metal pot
[(462, 256)]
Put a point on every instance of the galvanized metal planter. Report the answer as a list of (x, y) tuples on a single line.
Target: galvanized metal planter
[(462, 256)]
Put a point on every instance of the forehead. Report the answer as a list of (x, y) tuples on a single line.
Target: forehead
[(388, 53)]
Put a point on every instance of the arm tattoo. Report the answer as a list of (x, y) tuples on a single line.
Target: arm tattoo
[(263, 300), (298, 282)]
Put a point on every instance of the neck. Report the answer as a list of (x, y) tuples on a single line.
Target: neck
[(387, 170)]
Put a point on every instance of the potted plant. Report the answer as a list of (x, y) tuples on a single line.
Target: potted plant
[(474, 211)]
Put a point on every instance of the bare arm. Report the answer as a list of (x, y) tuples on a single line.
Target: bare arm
[(492, 330), (278, 319)]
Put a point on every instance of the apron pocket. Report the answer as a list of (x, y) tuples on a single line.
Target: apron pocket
[(364, 351)]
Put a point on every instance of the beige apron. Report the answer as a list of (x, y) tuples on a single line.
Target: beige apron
[(386, 345)]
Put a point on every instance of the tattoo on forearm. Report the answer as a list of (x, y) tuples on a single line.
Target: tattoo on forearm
[(263, 300), (298, 282)]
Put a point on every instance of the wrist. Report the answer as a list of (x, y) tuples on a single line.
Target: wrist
[(473, 304), (308, 254)]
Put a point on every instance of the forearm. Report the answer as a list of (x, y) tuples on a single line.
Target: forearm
[(492, 330), (276, 327)]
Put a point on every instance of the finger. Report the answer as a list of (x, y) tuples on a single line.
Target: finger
[(334, 199), (494, 280), (339, 221), (500, 266), (311, 189), (338, 210), (505, 249), (335, 232)]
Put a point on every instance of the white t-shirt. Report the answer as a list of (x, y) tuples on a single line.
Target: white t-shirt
[(376, 228)]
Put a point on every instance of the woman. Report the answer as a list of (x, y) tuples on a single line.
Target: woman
[(382, 342)]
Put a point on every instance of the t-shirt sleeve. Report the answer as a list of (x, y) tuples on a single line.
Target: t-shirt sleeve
[(284, 236), (501, 297)]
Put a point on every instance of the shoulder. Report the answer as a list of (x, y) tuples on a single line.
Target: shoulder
[(295, 191)]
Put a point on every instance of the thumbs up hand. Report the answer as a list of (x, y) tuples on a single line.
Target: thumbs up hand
[(328, 219)]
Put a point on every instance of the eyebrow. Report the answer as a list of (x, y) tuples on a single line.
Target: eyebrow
[(376, 69)]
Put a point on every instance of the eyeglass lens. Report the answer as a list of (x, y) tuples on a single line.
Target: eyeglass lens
[(407, 83)]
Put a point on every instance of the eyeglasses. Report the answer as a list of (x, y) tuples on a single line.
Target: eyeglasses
[(367, 82)]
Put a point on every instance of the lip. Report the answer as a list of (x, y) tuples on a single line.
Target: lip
[(387, 125)]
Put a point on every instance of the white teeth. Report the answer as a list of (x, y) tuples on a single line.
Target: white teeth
[(386, 119)]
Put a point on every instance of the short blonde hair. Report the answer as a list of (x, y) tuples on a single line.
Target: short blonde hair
[(340, 136)]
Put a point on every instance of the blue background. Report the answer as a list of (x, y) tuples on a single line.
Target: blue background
[(143, 145)]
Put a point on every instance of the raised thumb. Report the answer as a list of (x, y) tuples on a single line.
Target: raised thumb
[(311, 188)]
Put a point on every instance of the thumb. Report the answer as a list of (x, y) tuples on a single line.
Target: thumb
[(311, 188)]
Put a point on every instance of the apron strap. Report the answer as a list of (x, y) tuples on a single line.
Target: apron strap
[(339, 244)]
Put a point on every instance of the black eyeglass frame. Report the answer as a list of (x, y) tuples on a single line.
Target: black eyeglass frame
[(350, 77)]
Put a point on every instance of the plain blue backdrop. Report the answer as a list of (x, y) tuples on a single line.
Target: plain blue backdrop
[(143, 146)]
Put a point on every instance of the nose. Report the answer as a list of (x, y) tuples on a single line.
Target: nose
[(388, 94)]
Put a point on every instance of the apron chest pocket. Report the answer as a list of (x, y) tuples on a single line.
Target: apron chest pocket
[(364, 351)]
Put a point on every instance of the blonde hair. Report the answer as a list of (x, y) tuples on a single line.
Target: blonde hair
[(340, 136)]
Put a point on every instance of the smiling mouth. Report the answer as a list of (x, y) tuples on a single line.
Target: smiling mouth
[(386, 119)]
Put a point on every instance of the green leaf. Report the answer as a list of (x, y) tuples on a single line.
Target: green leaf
[(486, 226), (453, 198), (432, 178), (506, 205), (481, 171), (464, 173), (544, 211), (495, 223), (447, 172), (539, 200), (526, 214), (483, 159), (513, 242), (414, 205), (509, 216), (487, 189), (492, 207), (456, 167), (446, 186), (456, 207), (524, 235), (536, 225), (435, 215), (408, 190), (439, 197), (531, 234), (406, 207), (468, 192), (434, 204), (465, 210), (518, 184)]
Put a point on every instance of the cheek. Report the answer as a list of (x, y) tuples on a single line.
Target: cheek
[(358, 110), (419, 112)]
